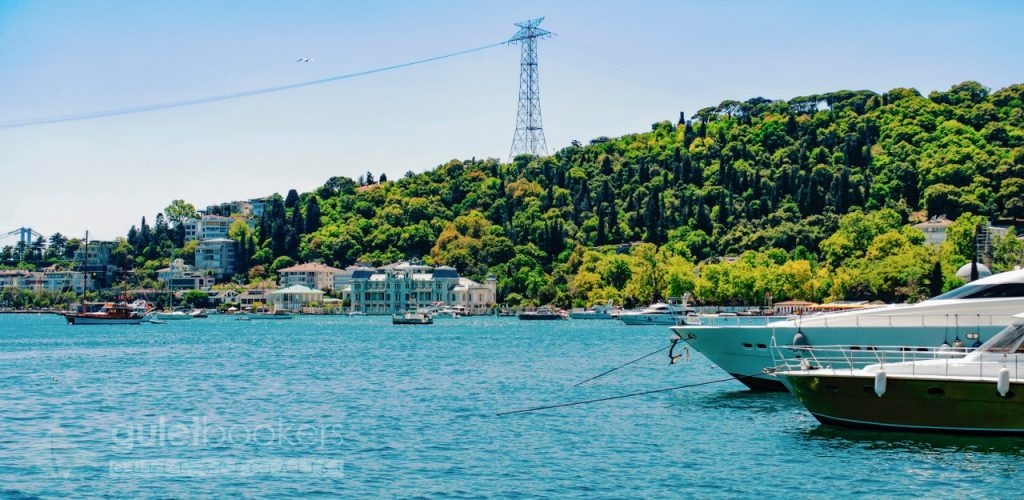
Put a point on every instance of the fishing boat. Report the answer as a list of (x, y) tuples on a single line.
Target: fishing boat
[(415, 317), (597, 311), (972, 314), (978, 392), (670, 312), (543, 313)]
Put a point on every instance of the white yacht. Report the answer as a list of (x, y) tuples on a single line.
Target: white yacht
[(670, 312), (967, 315), (598, 311)]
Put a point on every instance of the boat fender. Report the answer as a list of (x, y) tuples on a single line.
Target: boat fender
[(1003, 381), (799, 339), (880, 382)]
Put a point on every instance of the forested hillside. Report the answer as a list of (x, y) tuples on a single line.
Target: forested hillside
[(808, 184), (807, 199)]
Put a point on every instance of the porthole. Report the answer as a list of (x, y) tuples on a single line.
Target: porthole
[(748, 345), (833, 389), (937, 392)]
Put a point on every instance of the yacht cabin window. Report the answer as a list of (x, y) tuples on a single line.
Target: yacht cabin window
[(969, 291), (1008, 341)]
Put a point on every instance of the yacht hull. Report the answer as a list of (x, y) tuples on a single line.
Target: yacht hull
[(648, 319), (909, 404), (746, 351), (76, 319)]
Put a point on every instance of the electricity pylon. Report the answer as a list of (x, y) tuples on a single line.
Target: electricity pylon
[(529, 137)]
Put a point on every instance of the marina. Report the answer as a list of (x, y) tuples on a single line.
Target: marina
[(83, 408)]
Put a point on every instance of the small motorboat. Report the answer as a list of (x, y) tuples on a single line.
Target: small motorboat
[(412, 318)]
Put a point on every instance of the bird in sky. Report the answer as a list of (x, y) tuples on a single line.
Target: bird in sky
[(303, 59)]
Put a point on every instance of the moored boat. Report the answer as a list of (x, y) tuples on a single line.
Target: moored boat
[(412, 318), (110, 314), (543, 313), (971, 314), (597, 311), (670, 312), (278, 314), (978, 392), (170, 315)]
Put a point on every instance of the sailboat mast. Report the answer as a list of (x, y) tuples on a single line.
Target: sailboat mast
[(85, 271)]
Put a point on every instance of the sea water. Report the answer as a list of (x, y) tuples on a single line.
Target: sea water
[(334, 406)]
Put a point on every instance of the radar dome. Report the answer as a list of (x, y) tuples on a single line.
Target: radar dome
[(964, 272)]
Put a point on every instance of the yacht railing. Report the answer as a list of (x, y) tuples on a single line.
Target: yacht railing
[(898, 319), (845, 360), (849, 358)]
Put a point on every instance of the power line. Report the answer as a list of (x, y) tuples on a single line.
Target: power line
[(225, 97), (628, 70)]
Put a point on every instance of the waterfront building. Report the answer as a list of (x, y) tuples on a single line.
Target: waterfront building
[(311, 274), (294, 298), (14, 278), (251, 298), (408, 285), (218, 297)]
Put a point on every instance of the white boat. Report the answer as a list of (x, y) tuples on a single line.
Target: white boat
[(598, 311), (971, 314), (670, 312), (542, 313), (278, 314), (412, 318), (447, 312), (170, 315), (951, 392), (731, 319)]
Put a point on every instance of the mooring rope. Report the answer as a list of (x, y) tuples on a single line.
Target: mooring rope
[(621, 396), (621, 366)]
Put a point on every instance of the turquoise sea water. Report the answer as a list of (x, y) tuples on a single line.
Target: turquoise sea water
[(357, 407)]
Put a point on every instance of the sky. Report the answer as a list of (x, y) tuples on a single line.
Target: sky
[(610, 68)]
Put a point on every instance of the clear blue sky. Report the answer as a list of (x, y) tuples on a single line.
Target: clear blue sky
[(614, 68)]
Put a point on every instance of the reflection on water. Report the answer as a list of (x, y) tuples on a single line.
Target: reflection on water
[(915, 442), (750, 401)]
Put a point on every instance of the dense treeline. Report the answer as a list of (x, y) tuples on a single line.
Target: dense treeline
[(812, 197)]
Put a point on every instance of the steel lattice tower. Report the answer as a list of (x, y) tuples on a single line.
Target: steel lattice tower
[(529, 137)]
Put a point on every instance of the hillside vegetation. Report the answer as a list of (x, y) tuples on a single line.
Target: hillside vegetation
[(809, 199)]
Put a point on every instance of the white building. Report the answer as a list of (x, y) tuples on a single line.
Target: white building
[(934, 229), (208, 227), (258, 205), (48, 280), (294, 298), (398, 287), (311, 274), (64, 281), (217, 256), (181, 276)]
